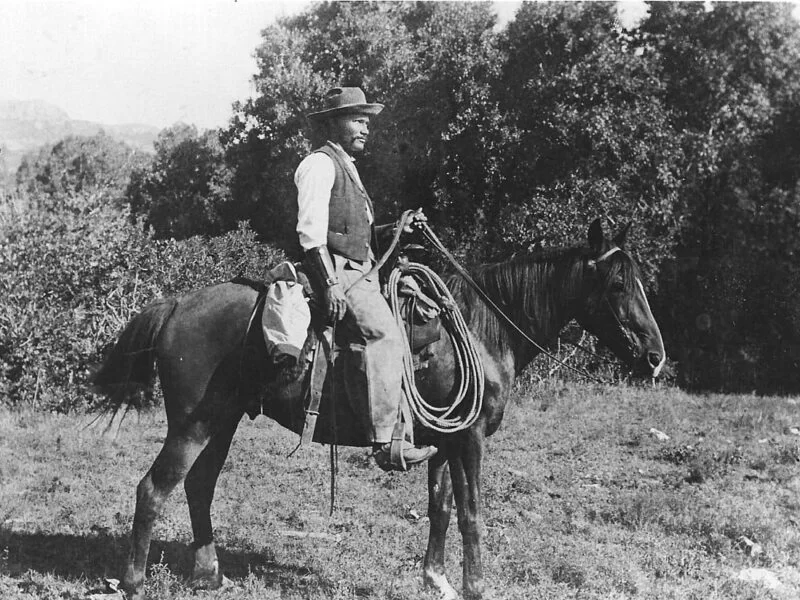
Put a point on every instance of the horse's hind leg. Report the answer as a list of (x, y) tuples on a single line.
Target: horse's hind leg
[(199, 485), (179, 452), (440, 502)]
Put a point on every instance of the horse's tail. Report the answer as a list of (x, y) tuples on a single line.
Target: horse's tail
[(129, 368)]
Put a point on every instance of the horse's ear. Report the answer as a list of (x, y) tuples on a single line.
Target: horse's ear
[(622, 236), (596, 236)]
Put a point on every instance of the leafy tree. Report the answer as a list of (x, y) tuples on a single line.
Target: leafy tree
[(595, 133), (532, 137), (731, 76), (428, 62), (78, 172), (689, 126), (185, 191), (449, 128)]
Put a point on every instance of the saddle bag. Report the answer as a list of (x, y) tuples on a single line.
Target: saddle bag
[(286, 315)]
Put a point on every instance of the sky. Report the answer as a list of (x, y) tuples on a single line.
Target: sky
[(150, 62), (154, 62)]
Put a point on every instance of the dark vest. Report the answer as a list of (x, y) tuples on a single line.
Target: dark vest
[(349, 229)]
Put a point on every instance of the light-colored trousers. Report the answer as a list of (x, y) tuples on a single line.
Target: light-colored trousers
[(373, 360)]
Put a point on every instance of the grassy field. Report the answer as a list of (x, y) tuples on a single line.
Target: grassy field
[(582, 501)]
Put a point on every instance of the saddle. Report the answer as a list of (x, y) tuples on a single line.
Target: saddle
[(303, 373)]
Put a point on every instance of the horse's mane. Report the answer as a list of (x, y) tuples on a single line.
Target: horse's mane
[(533, 289), (523, 288)]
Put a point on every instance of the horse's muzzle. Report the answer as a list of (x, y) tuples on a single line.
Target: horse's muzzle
[(650, 363)]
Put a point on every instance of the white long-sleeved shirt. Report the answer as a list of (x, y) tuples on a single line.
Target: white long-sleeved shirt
[(314, 179)]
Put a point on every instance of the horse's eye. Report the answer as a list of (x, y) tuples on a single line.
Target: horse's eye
[(617, 286)]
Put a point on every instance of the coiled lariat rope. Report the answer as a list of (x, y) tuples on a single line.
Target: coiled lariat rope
[(469, 368), (467, 403)]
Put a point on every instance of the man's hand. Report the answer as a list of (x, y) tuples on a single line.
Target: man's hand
[(335, 302), (321, 268), (415, 221)]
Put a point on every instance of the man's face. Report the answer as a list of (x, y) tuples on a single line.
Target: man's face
[(350, 132)]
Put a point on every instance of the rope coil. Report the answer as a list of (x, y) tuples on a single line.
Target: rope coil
[(467, 403)]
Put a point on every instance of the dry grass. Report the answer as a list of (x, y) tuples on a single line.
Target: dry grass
[(581, 502)]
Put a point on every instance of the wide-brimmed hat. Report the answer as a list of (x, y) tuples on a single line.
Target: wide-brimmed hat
[(346, 100)]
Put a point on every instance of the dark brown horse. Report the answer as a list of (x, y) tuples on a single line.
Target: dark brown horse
[(196, 341)]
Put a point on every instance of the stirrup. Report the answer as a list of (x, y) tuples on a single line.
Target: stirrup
[(391, 456), (383, 460), (396, 457)]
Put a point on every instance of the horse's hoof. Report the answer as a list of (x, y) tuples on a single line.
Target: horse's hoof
[(476, 589), (209, 582), (206, 574), (440, 584), (131, 591), (128, 595), (479, 594)]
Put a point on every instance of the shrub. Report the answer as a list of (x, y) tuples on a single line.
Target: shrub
[(69, 283), (78, 173), (186, 189)]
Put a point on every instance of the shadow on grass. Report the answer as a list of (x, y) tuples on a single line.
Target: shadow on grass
[(103, 555)]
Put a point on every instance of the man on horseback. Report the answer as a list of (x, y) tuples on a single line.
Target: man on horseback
[(335, 225)]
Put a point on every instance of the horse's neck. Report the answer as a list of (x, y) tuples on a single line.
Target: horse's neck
[(535, 296), (551, 311)]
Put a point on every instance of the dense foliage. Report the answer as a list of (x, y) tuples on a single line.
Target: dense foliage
[(687, 125), (732, 80), (69, 283), (473, 124), (185, 190), (78, 173)]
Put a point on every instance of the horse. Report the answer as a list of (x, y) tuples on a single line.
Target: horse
[(195, 341)]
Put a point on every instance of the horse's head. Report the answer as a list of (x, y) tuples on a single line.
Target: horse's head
[(614, 306)]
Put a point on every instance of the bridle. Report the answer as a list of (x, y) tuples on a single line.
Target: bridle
[(593, 261), (604, 297)]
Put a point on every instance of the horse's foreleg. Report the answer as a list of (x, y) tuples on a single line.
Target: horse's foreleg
[(465, 470), (179, 452), (440, 501), (199, 486)]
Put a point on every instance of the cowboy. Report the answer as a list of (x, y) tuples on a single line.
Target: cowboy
[(335, 226)]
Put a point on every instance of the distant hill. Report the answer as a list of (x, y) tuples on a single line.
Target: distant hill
[(27, 125)]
